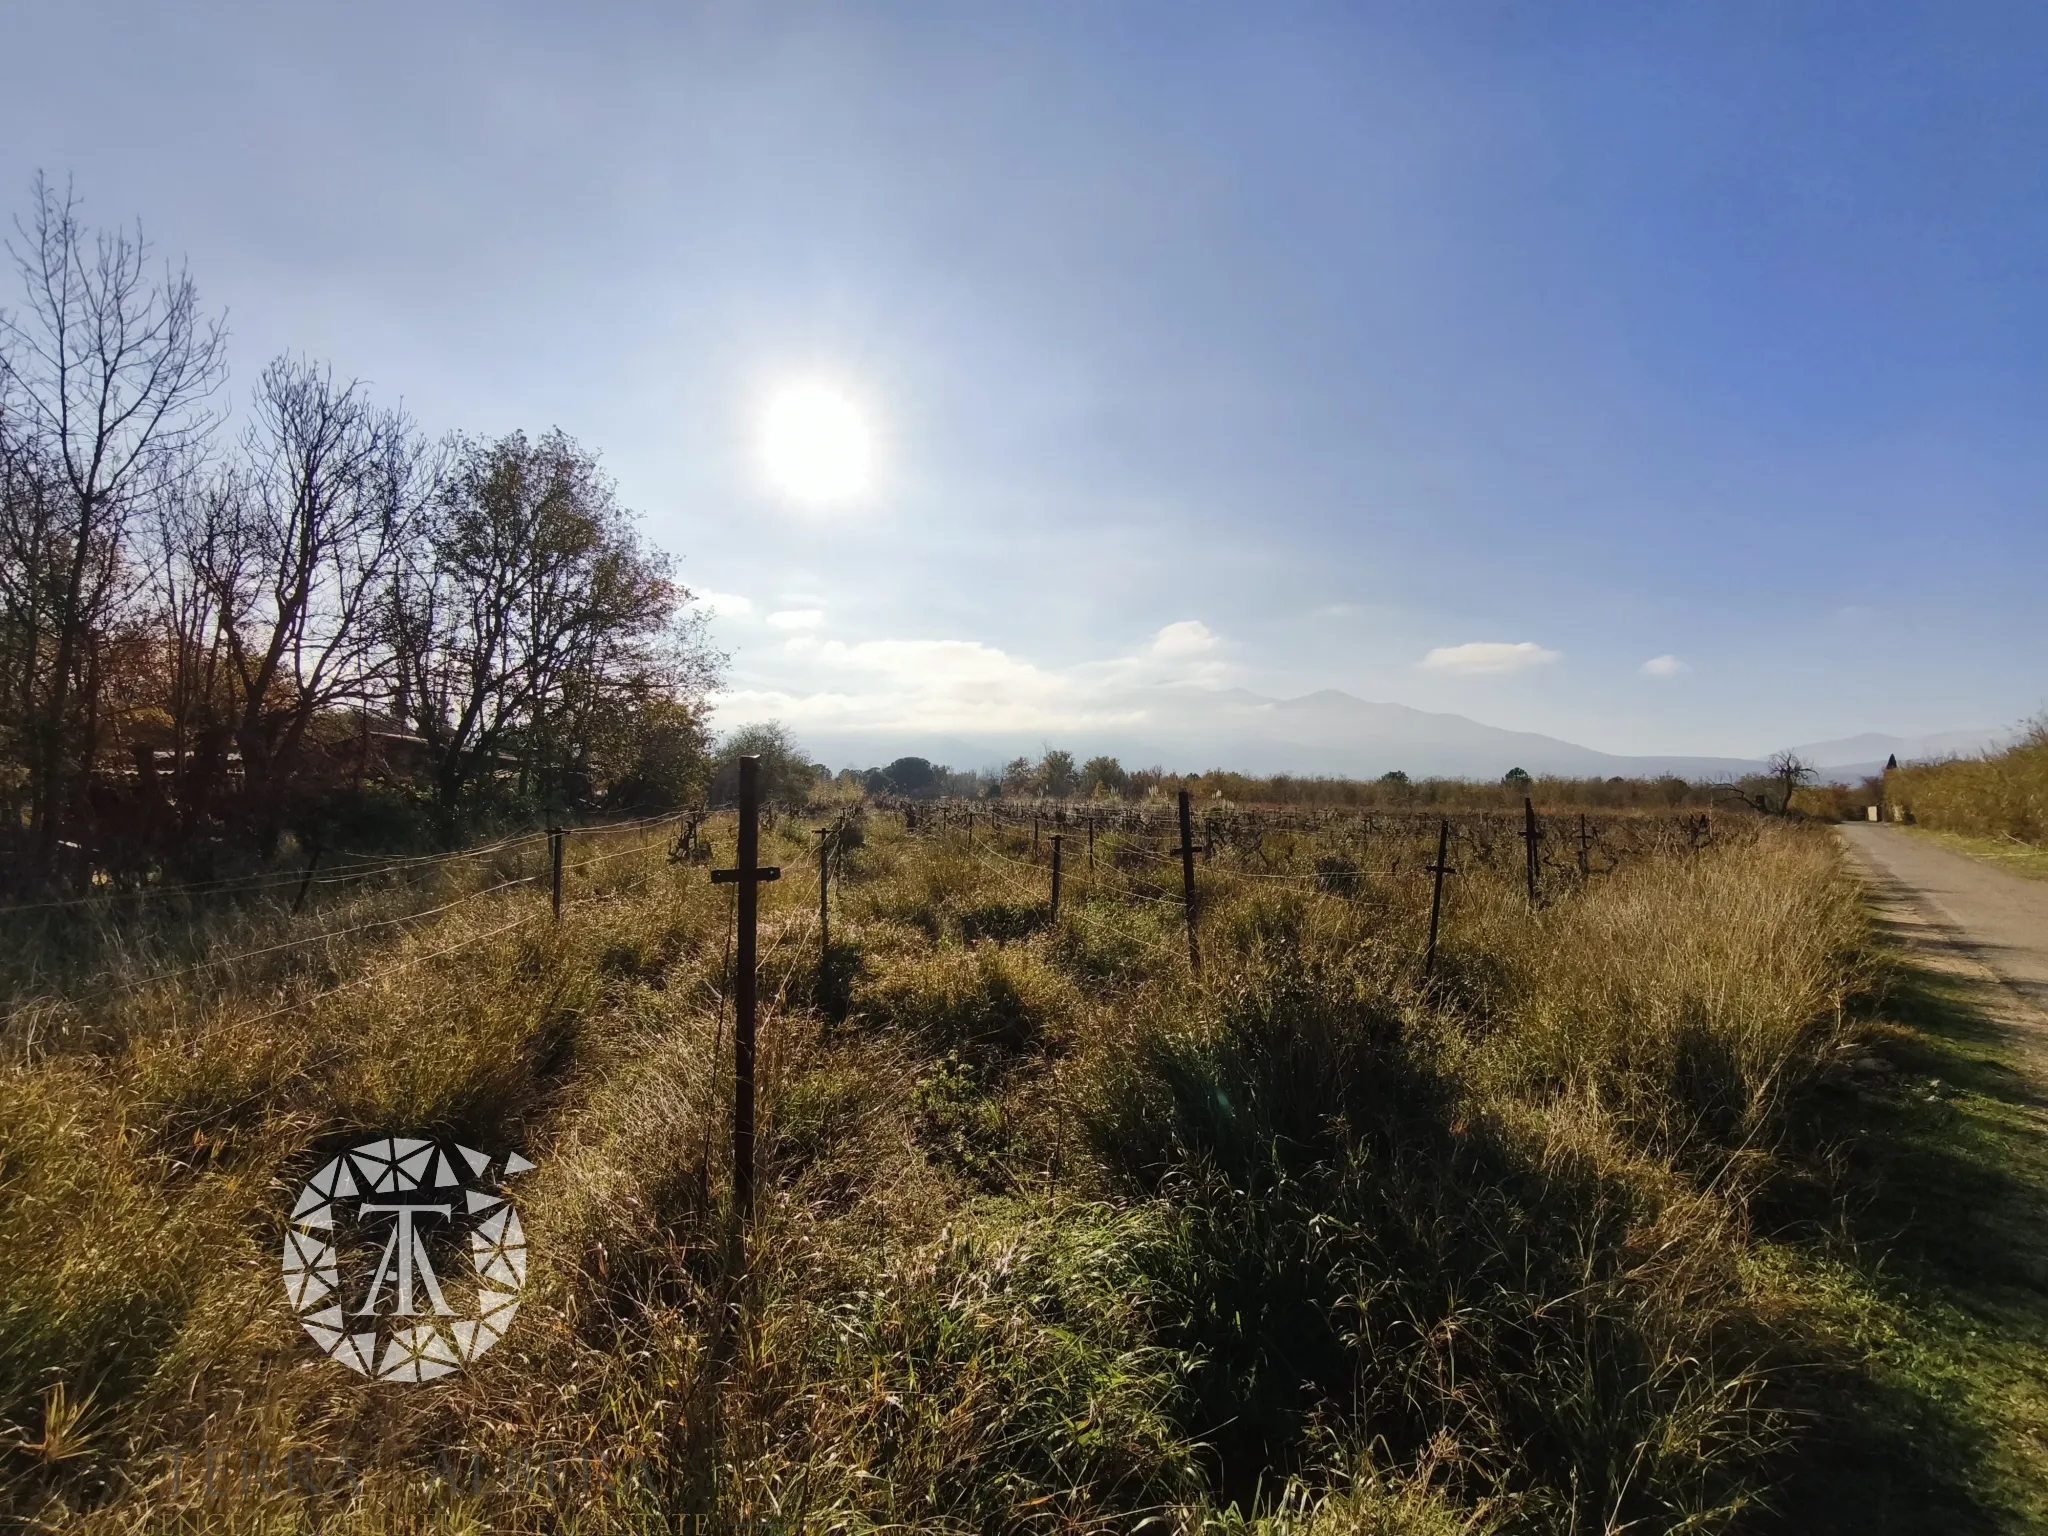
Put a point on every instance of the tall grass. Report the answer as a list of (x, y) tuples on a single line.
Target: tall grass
[(2000, 794), (1055, 1236)]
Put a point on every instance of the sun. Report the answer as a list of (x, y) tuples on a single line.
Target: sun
[(816, 444)]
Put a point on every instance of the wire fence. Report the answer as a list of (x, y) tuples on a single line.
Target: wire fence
[(1232, 843), (328, 935), (321, 870)]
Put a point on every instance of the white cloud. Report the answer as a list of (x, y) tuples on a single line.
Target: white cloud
[(731, 604), (1662, 666), (797, 618), (929, 685), (965, 687), (1481, 657), (1188, 637)]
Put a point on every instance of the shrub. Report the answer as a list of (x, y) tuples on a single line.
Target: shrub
[(2001, 794), (988, 1001)]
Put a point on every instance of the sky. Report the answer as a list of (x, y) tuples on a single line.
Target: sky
[(1668, 378)]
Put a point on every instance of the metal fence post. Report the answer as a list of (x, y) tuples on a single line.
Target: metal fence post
[(1187, 880), (824, 891), (1529, 840), (1440, 868), (747, 875)]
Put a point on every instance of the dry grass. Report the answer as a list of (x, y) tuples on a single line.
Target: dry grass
[(1999, 795), (1055, 1236)]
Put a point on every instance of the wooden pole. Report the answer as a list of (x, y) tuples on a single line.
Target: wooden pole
[(1441, 867), (1057, 839), (1091, 845), (747, 875), (1585, 862), (1187, 880)]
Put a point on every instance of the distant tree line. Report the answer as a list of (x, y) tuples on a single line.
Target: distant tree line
[(1058, 775), (208, 637)]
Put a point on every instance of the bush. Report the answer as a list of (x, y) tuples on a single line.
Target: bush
[(2001, 794)]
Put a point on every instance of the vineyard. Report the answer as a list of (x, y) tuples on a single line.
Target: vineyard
[(1211, 1192)]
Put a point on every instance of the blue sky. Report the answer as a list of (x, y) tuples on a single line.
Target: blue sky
[(1274, 347)]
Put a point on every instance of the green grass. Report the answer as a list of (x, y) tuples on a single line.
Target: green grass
[(2007, 853), (1916, 1269)]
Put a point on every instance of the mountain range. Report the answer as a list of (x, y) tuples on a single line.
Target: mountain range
[(1331, 732)]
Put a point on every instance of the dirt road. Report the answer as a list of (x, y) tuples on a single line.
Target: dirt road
[(1998, 920)]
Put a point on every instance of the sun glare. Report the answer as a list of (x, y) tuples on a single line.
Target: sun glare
[(816, 444)]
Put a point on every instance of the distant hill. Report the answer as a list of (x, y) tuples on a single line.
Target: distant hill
[(1858, 757), (1322, 733), (1332, 732)]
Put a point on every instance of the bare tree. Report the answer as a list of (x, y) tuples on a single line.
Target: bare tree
[(104, 375), (28, 572), (1790, 770), (297, 551), (190, 546)]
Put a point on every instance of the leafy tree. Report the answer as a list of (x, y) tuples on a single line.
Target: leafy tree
[(786, 778), (669, 764), (1104, 776), (530, 620), (1056, 774), (1019, 777), (910, 776), (1517, 778), (1394, 776)]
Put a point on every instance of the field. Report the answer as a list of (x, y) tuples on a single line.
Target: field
[(1056, 1233)]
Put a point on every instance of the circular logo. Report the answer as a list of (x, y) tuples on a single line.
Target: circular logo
[(405, 1259)]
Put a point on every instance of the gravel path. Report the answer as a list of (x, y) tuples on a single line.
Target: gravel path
[(2001, 919), (1995, 923)]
